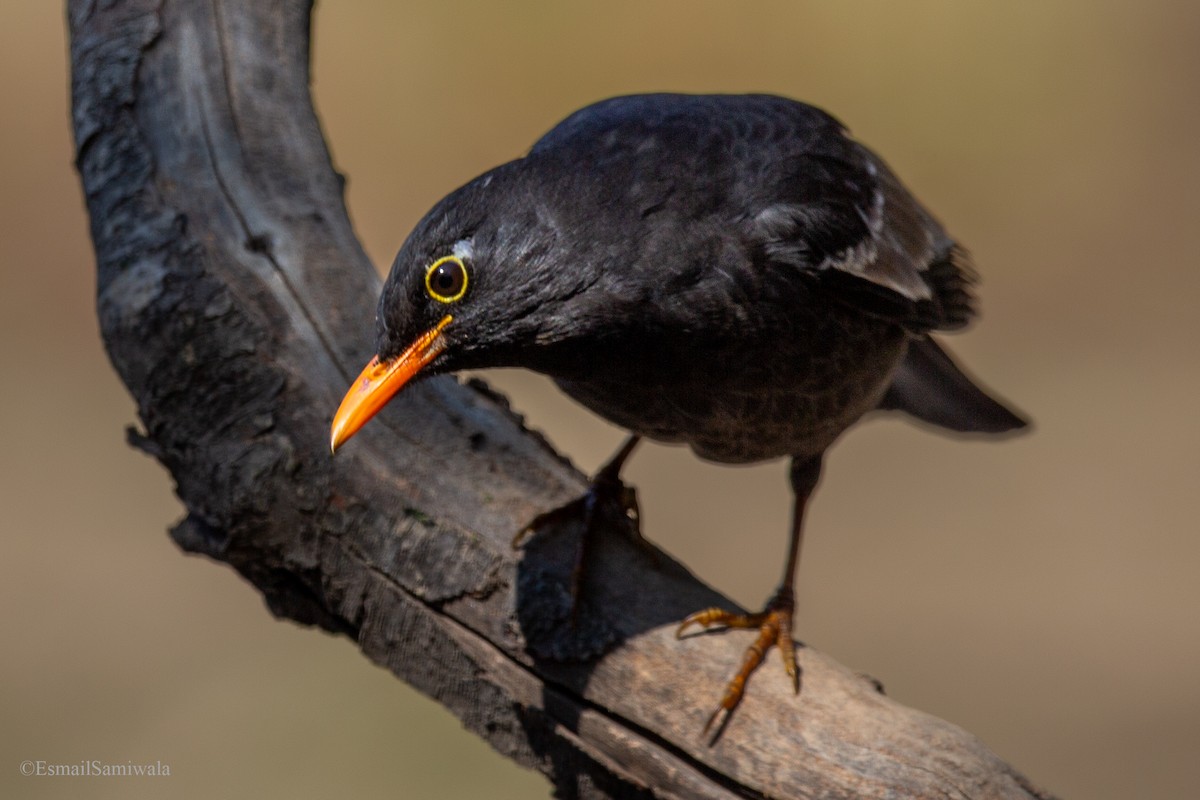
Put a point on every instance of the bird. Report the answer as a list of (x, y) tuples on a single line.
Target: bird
[(735, 273)]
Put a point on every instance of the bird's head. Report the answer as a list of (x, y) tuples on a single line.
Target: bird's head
[(479, 283)]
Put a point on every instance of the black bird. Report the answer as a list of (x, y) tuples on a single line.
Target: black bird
[(731, 272)]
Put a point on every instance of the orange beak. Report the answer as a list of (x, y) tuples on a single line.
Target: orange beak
[(379, 382)]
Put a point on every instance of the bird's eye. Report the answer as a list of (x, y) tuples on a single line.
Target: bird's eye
[(446, 279)]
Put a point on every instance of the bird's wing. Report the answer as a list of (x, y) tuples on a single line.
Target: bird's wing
[(803, 198), (844, 216)]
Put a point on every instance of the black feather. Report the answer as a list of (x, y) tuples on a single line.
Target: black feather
[(931, 387)]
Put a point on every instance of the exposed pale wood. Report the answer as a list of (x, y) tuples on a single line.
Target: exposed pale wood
[(236, 304)]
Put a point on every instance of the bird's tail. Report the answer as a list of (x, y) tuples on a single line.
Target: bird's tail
[(931, 387)]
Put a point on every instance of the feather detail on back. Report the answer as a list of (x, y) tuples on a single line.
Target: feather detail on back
[(881, 251)]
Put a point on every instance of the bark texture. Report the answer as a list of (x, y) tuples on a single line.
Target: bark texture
[(236, 305)]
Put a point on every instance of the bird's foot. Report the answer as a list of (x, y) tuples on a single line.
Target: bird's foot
[(607, 504), (605, 492), (774, 625)]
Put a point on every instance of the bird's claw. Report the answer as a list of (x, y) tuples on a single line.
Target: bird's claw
[(774, 624), (567, 511), (708, 617), (608, 498)]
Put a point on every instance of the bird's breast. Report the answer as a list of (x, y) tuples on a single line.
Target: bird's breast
[(738, 401)]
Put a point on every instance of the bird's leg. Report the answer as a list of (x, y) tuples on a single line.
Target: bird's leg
[(606, 491), (774, 622)]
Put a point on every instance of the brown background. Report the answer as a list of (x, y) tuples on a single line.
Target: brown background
[(1041, 592)]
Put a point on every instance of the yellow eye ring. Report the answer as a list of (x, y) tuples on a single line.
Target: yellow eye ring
[(446, 279)]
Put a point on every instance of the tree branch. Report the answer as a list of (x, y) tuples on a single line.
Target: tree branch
[(236, 304)]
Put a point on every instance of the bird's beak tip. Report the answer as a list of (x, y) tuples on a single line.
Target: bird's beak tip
[(338, 434), (379, 381)]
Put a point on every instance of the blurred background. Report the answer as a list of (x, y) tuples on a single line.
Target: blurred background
[(1041, 592)]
